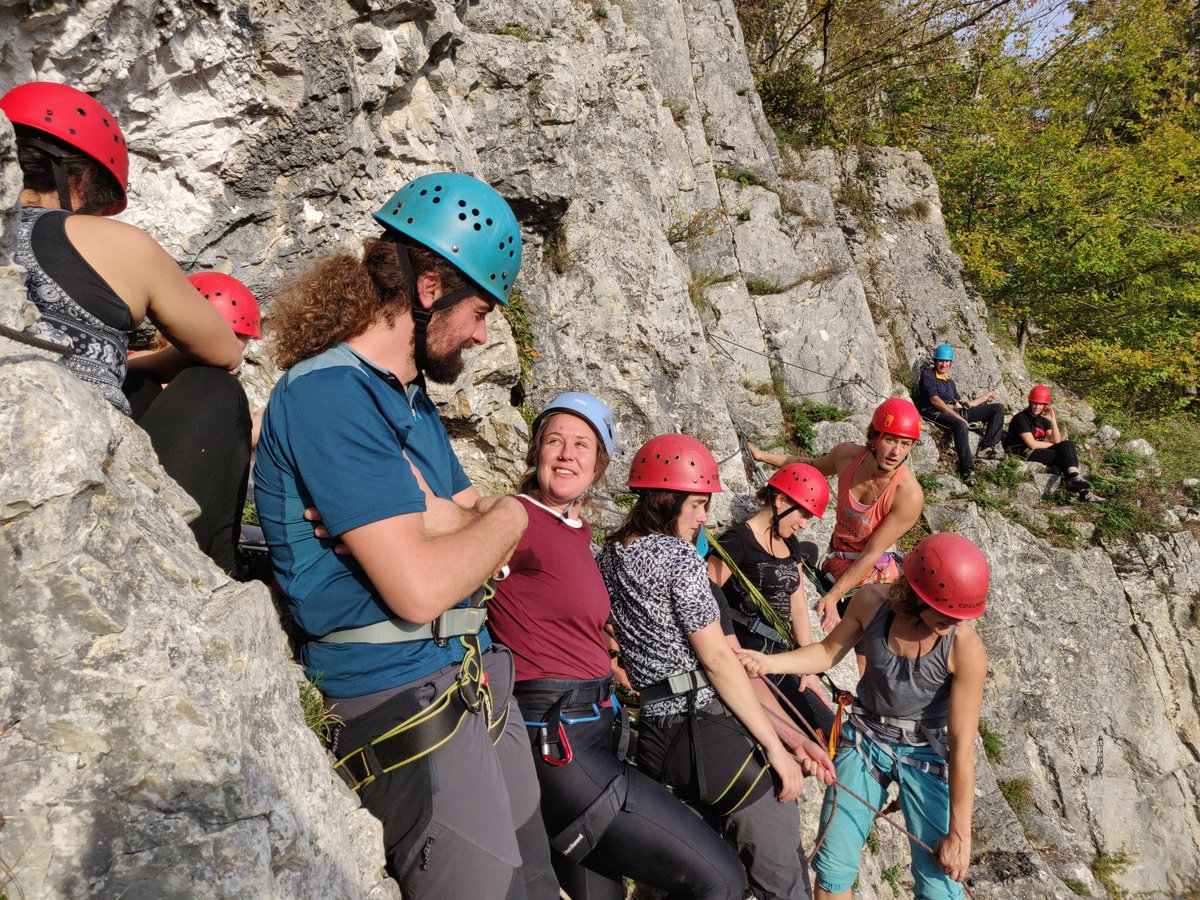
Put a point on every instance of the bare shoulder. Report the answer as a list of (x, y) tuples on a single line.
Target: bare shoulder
[(112, 236), (867, 601), (909, 488), (968, 648), (842, 455)]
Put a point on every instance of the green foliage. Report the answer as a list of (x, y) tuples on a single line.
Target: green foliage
[(691, 230), (992, 747), (1017, 793), (1107, 866), (1006, 476), (799, 418), (1067, 156), (929, 482), (319, 718), (1077, 887), (744, 177), (624, 499), (555, 251), (873, 841), (520, 320), (760, 286), (891, 877), (701, 282), (250, 513)]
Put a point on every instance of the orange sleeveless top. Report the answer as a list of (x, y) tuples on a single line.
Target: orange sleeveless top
[(856, 522)]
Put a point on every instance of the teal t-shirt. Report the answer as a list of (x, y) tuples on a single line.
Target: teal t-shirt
[(334, 436)]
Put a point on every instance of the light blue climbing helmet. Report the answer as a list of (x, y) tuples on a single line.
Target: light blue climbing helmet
[(591, 409), (463, 220), (943, 351)]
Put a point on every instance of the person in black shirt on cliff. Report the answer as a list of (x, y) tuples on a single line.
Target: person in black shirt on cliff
[(1033, 434)]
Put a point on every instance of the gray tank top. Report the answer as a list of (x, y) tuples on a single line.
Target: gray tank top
[(100, 356), (900, 688)]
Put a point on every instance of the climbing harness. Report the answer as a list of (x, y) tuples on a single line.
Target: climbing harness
[(435, 724), (582, 835), (737, 783)]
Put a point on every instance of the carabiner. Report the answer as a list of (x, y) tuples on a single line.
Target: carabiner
[(548, 744)]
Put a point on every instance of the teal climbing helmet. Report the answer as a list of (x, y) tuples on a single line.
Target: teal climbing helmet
[(943, 351), (464, 220)]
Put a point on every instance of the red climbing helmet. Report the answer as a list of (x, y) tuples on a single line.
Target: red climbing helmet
[(77, 120), (674, 462), (804, 485), (232, 300), (950, 574), (899, 417), (1039, 394)]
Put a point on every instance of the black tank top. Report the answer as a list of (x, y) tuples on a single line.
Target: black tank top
[(78, 307)]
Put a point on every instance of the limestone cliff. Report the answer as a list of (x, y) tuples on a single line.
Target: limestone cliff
[(677, 264)]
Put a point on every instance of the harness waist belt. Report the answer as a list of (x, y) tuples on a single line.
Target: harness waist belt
[(452, 623), (539, 694), (755, 625), (915, 726), (675, 686)]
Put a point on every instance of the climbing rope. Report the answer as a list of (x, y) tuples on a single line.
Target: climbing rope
[(838, 784), (24, 337)]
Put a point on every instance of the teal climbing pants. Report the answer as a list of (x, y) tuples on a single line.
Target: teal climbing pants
[(924, 800)]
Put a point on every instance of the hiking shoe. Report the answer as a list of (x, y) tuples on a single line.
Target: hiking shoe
[(968, 478), (992, 452), (1078, 483)]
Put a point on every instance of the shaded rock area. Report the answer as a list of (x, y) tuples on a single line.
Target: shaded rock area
[(676, 263)]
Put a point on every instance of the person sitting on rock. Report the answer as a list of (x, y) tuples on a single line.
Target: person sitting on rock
[(915, 719), (94, 279), (1033, 434), (878, 500), (937, 398)]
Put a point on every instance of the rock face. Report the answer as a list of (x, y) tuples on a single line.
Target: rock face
[(676, 263)]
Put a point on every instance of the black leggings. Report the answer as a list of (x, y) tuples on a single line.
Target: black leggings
[(200, 428), (1061, 456), (660, 843)]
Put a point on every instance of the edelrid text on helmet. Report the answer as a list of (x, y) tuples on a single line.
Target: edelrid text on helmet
[(591, 409), (949, 573), (232, 299), (674, 462), (463, 220), (804, 485), (899, 417), (75, 119)]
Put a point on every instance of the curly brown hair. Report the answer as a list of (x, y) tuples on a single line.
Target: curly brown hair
[(341, 296), (529, 481)]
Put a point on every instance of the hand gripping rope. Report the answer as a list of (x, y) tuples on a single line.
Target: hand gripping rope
[(878, 812)]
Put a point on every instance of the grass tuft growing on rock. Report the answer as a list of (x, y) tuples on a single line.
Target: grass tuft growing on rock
[(319, 718), (701, 282), (1107, 866), (1018, 794), (691, 230), (1077, 887), (992, 747), (520, 320), (891, 877), (800, 417), (760, 286)]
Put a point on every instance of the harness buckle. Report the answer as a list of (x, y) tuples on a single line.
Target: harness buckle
[(472, 693)]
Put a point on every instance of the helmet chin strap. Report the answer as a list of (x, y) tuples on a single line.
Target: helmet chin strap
[(778, 516), (59, 168), (422, 316)]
